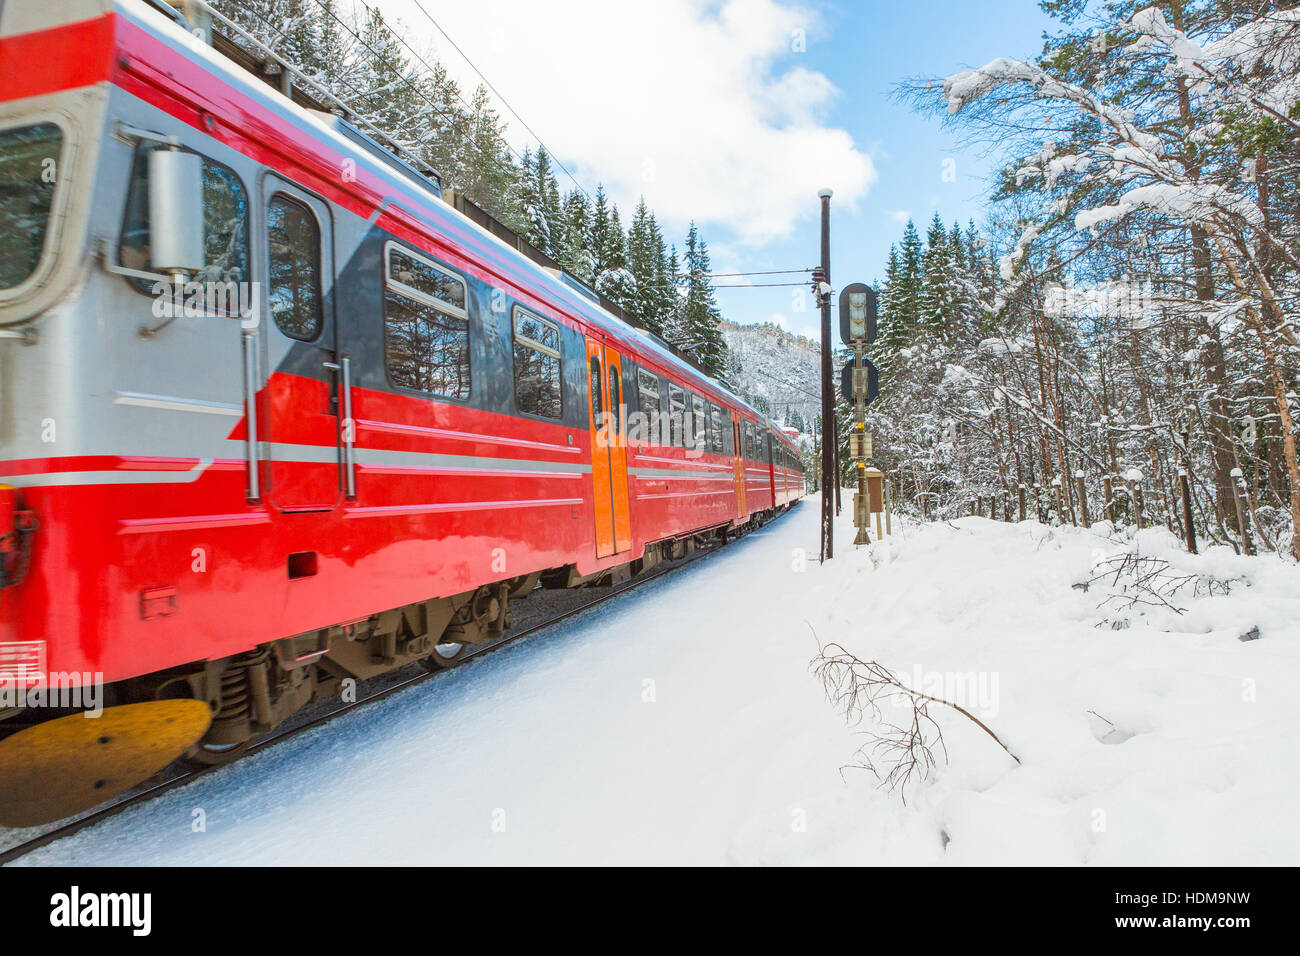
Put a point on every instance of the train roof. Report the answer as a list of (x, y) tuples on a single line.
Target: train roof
[(406, 184)]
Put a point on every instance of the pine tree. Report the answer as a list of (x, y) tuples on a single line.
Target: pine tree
[(490, 176), (615, 281), (540, 202), (672, 318), (575, 252), (936, 297), (643, 262), (599, 231), (665, 279), (893, 331), (530, 201), (701, 321), (548, 192), (906, 311), (389, 96)]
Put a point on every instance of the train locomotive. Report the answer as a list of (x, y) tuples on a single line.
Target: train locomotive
[(276, 413)]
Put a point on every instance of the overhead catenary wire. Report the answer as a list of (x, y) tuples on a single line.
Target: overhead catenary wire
[(770, 272), (405, 79), (375, 53), (788, 385), (497, 94)]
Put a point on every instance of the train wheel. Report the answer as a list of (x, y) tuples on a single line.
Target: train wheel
[(214, 755), (446, 655)]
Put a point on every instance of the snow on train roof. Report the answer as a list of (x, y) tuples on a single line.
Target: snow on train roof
[(410, 186)]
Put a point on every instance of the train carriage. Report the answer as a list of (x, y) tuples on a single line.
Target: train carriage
[(275, 414)]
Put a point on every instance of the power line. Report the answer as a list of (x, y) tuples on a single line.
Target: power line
[(497, 94), (738, 285), (788, 385), (405, 79), (773, 272)]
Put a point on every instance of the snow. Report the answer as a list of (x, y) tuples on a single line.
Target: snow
[(775, 370), (1193, 202), (682, 724), (1007, 264)]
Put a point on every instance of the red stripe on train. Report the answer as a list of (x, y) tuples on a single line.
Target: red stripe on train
[(60, 58)]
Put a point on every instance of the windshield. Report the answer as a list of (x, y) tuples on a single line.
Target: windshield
[(29, 157)]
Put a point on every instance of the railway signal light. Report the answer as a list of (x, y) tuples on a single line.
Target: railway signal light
[(857, 314), (865, 381)]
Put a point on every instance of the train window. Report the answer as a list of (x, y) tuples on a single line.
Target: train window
[(715, 429), (647, 387), (426, 281), (698, 426), (225, 223), (677, 414), (596, 391), (293, 282), (426, 333), (615, 400), (749, 441), (27, 155), (537, 365)]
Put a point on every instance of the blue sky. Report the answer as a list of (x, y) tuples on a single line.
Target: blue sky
[(734, 112), (868, 48)]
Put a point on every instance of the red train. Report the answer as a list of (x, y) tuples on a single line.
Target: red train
[(274, 414)]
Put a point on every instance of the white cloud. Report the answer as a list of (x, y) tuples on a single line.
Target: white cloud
[(899, 216), (702, 108)]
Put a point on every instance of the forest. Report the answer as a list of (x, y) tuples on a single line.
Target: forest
[(1123, 322)]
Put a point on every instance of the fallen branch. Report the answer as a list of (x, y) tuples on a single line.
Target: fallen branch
[(905, 751)]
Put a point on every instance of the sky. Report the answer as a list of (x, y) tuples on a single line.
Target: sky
[(734, 113)]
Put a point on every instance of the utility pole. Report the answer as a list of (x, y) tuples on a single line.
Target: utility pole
[(817, 450), (822, 288)]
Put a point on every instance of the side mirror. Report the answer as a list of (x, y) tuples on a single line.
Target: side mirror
[(175, 211)]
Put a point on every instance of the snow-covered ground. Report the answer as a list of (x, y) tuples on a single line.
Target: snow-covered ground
[(683, 725)]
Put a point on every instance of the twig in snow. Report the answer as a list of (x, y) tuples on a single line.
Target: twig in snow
[(899, 753)]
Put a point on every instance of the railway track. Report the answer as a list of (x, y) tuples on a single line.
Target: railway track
[(156, 788)]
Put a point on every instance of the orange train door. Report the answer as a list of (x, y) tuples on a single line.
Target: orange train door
[(608, 449), (738, 448), (769, 441)]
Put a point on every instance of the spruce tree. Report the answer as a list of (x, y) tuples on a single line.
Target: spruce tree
[(907, 290), (701, 321), (575, 250), (598, 241), (892, 333), (665, 279), (642, 262), (615, 281), (548, 193), (938, 281)]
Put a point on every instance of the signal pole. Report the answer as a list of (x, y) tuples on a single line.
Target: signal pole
[(859, 384), (821, 284)]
